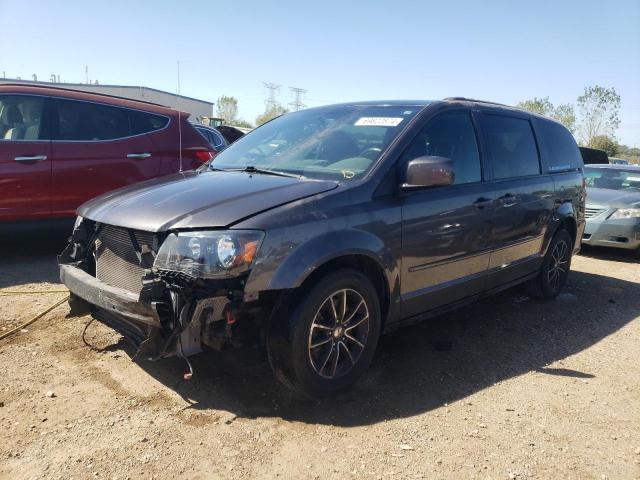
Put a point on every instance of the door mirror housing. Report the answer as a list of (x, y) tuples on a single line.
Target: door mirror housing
[(428, 171)]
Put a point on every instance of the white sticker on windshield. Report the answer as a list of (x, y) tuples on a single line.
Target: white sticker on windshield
[(378, 121)]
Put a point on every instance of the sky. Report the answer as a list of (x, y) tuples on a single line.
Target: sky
[(348, 50)]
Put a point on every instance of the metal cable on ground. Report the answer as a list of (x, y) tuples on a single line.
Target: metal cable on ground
[(30, 292), (29, 322)]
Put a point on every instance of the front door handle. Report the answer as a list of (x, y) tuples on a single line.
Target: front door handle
[(30, 158), (483, 202), (507, 200), (138, 155)]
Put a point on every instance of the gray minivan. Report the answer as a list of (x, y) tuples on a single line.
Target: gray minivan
[(327, 227)]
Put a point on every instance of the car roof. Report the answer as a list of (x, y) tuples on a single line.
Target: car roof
[(468, 102), (614, 166), (60, 92)]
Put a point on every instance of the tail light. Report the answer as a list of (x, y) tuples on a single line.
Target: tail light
[(198, 155), (204, 155)]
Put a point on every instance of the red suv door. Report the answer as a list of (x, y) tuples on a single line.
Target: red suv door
[(25, 158), (97, 148)]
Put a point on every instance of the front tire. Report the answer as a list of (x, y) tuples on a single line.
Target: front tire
[(555, 268), (328, 339)]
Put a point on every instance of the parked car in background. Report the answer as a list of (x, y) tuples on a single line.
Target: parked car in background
[(326, 227), (213, 136), (618, 161), (60, 148), (231, 134), (593, 155), (613, 206)]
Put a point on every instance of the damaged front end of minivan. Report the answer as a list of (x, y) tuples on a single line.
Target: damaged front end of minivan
[(169, 293)]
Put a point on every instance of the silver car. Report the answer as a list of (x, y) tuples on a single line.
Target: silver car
[(613, 206)]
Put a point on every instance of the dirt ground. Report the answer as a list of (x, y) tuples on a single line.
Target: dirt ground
[(508, 388)]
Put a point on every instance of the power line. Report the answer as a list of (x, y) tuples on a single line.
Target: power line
[(271, 101), (297, 104)]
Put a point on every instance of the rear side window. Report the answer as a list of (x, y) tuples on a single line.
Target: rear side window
[(78, 120), (209, 136), (21, 117), (217, 139), (511, 146), (144, 122), (562, 152)]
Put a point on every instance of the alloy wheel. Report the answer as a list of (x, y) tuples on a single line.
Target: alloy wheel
[(338, 333), (558, 267)]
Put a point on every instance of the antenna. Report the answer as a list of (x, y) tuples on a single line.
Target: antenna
[(179, 120), (297, 103)]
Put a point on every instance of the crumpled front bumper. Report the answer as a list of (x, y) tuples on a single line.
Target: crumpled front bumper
[(112, 299)]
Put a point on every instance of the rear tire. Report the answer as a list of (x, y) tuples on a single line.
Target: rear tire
[(555, 268), (326, 340)]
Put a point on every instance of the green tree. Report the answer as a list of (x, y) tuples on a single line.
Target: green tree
[(227, 108), (270, 113), (606, 143), (541, 106), (564, 113), (598, 110)]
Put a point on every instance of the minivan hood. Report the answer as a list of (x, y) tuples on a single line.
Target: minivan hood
[(612, 198), (197, 200)]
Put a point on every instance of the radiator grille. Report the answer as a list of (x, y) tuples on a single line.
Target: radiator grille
[(590, 211), (116, 260)]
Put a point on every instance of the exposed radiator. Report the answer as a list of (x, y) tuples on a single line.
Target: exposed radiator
[(116, 260)]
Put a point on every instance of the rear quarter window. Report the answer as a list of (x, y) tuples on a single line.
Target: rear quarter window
[(561, 148), (144, 122)]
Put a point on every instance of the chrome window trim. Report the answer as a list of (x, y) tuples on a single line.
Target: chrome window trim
[(96, 103), (215, 134)]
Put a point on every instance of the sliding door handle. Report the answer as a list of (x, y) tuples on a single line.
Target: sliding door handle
[(30, 158), (483, 202)]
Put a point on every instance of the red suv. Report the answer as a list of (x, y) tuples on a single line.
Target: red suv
[(59, 148)]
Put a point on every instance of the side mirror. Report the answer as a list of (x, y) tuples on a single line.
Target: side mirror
[(428, 171)]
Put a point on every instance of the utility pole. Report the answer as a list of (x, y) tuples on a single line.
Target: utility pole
[(297, 103), (271, 101)]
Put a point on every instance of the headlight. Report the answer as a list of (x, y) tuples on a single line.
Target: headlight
[(625, 213), (208, 254)]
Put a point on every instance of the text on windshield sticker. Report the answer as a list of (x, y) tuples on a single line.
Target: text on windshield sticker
[(378, 121)]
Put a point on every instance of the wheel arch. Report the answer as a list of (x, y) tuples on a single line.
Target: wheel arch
[(363, 263), (564, 218), (310, 260)]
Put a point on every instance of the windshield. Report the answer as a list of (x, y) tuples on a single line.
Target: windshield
[(340, 142), (613, 178)]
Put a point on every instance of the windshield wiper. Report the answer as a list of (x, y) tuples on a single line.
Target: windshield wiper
[(265, 171)]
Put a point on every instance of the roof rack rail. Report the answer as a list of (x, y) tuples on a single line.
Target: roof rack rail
[(465, 99), (75, 90)]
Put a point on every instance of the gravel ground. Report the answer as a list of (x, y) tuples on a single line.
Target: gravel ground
[(506, 388)]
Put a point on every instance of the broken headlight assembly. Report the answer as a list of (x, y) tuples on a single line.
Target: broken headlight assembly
[(208, 254)]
